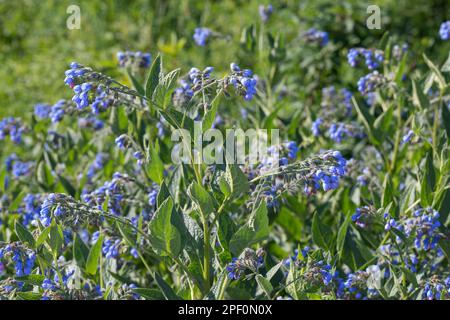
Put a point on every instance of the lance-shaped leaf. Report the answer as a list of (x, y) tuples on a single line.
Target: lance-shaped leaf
[(164, 236), (153, 77), (254, 231), (204, 201)]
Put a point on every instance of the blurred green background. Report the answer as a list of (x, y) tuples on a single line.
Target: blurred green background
[(36, 46)]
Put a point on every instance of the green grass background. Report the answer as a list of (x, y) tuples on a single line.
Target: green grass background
[(36, 46)]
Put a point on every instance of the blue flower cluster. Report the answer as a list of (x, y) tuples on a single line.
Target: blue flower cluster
[(444, 30), (112, 191), (17, 167), (243, 81), (12, 127), (364, 217), (249, 260), (90, 122), (328, 177), (316, 36), (42, 110), (436, 289), (22, 258), (201, 36), (423, 226), (373, 58), (110, 248), (134, 59), (265, 12), (371, 82), (32, 208), (339, 131), (45, 215)]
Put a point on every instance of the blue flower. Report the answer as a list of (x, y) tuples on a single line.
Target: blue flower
[(265, 12), (444, 30), (201, 36)]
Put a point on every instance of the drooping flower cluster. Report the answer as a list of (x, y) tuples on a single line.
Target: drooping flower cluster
[(423, 227), (201, 36), (436, 288), (193, 82), (18, 167), (31, 208), (366, 217), (371, 82), (68, 212), (373, 58), (248, 260), (316, 36), (12, 127), (243, 81), (336, 107), (95, 89), (111, 192), (22, 257), (136, 60)]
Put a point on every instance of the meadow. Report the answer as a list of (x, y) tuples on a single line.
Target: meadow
[(350, 202)]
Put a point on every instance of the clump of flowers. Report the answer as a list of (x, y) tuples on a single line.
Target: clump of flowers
[(243, 81), (134, 60), (316, 36), (12, 127), (336, 108), (249, 260), (371, 82), (22, 257), (373, 58), (436, 288)]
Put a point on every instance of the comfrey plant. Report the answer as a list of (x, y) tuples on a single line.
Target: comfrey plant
[(93, 206)]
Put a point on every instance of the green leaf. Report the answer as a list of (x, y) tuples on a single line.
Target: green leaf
[(29, 295), (367, 120), (149, 294), (320, 234), (67, 185), (56, 239), (156, 166), (428, 181), (446, 66), (94, 256), (273, 271), (419, 98), (31, 279), (254, 231), (23, 234), (438, 75), (166, 290), (139, 88), (204, 201), (446, 119), (265, 285), (43, 236), (80, 251), (153, 77), (164, 236), (237, 181), (210, 115), (342, 235)]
